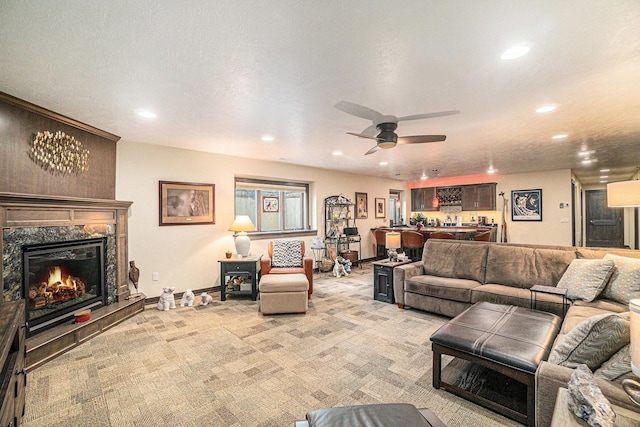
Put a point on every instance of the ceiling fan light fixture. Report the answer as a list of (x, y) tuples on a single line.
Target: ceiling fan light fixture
[(386, 144)]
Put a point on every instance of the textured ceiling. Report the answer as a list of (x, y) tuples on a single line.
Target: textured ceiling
[(219, 75)]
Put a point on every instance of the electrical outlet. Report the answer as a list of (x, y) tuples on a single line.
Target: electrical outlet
[(154, 276)]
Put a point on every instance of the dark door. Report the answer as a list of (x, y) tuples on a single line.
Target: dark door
[(605, 226)]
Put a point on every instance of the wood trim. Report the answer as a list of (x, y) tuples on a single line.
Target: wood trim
[(12, 100), (26, 200)]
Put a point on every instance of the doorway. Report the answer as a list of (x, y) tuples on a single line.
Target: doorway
[(604, 225), (395, 205)]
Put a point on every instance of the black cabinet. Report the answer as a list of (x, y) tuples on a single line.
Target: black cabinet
[(12, 358), (383, 280), (480, 197), (239, 276)]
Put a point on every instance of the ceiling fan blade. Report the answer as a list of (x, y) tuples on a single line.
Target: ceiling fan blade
[(429, 115), (359, 110), (373, 150), (419, 139), (359, 135)]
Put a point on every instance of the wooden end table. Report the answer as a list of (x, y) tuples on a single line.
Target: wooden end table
[(246, 269), (383, 280)]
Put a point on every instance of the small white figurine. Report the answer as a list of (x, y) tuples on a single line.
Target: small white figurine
[(166, 300), (206, 298), (188, 298), (338, 270)]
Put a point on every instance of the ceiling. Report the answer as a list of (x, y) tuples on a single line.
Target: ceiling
[(220, 75)]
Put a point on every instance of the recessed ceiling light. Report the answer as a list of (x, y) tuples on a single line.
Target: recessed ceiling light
[(516, 51), (585, 152), (147, 114), (267, 138), (589, 161), (604, 176), (560, 136), (492, 170), (605, 170), (603, 181), (424, 177), (546, 108), (384, 163), (337, 153)]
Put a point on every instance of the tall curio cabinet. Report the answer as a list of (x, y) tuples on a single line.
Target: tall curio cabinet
[(340, 231)]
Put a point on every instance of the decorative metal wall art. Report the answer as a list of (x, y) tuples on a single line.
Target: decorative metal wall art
[(59, 153)]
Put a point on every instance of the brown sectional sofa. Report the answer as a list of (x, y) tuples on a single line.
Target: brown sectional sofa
[(454, 274)]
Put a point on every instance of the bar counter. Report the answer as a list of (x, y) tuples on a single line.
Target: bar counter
[(465, 232)]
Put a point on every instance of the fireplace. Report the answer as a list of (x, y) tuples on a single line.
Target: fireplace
[(60, 278)]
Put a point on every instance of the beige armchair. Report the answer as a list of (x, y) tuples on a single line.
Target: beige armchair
[(306, 266)]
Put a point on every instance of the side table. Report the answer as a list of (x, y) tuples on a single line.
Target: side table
[(551, 290), (383, 280), (243, 270), (564, 417)]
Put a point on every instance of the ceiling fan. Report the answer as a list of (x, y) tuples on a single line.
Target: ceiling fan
[(383, 127)]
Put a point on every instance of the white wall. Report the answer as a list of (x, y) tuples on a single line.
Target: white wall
[(186, 256)]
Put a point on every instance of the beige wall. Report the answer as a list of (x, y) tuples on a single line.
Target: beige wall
[(186, 256)]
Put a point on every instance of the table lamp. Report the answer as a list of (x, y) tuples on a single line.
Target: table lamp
[(632, 387), (240, 226), (392, 242), (623, 194)]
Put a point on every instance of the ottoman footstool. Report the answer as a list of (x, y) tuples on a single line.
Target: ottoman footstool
[(378, 415), (509, 340), (284, 293)]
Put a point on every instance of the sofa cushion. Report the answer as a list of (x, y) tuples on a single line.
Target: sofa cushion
[(603, 304), (618, 367), (578, 314), (524, 267), (450, 258), (586, 278), (592, 341), (441, 287), (624, 284), (508, 295), (599, 253), (287, 253)]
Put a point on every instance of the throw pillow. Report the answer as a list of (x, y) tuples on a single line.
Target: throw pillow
[(592, 341), (287, 253), (586, 278), (618, 367), (624, 284)]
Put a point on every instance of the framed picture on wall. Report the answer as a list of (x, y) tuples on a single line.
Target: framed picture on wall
[(270, 204), (362, 208), (380, 208), (526, 205), (184, 203)]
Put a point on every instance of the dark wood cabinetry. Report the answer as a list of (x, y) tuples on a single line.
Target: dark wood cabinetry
[(480, 197), (12, 358), (422, 199), (475, 197)]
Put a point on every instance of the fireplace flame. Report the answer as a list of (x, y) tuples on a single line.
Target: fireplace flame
[(56, 280)]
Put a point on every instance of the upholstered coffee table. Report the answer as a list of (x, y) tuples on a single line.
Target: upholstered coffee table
[(510, 341), (378, 415)]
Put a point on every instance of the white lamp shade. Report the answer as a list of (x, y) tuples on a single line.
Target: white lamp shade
[(392, 240), (634, 307), (242, 223), (623, 194)]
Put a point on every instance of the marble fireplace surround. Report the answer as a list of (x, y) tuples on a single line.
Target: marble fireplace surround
[(28, 219)]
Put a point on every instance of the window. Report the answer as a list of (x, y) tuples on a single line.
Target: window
[(273, 206)]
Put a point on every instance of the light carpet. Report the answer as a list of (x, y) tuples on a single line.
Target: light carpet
[(227, 365)]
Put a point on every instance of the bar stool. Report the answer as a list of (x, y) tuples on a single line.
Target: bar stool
[(413, 244), (442, 235), (380, 249)]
